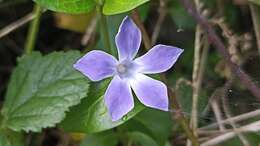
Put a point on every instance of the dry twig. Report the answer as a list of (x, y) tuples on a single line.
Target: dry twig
[(15, 25)]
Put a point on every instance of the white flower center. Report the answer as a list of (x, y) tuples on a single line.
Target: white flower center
[(126, 69), (121, 69)]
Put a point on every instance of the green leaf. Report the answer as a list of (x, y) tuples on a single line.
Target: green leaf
[(184, 95), (107, 138), (41, 89), (141, 139), (159, 123), (68, 6), (112, 7), (180, 16), (11, 138), (4, 141), (255, 1), (155, 123), (91, 114)]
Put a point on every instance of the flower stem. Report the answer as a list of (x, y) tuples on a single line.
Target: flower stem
[(33, 30), (104, 28), (178, 115), (136, 17)]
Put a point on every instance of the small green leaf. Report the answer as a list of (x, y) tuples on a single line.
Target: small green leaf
[(91, 114), (41, 89), (255, 1), (112, 7), (107, 138), (68, 6)]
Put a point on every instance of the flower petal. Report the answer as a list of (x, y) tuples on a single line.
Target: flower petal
[(118, 98), (128, 39), (150, 92), (159, 59), (96, 65)]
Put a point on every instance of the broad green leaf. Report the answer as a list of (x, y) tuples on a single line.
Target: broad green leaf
[(141, 139), (41, 89), (91, 114), (112, 7), (107, 138), (255, 1), (68, 6)]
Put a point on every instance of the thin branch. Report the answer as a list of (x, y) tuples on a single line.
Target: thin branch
[(238, 118), (253, 127), (228, 113), (255, 12), (198, 75), (33, 29), (219, 45), (218, 114), (89, 31), (15, 25), (162, 13), (139, 23)]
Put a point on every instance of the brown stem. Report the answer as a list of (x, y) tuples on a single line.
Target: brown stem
[(178, 115), (162, 13), (136, 17), (219, 45)]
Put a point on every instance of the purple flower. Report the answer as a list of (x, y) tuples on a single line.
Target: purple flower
[(130, 73)]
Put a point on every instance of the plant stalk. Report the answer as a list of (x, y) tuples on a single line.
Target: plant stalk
[(137, 19), (33, 30), (104, 28)]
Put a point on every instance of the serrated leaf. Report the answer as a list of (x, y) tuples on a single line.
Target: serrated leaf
[(41, 89), (112, 7), (91, 114), (107, 138), (68, 6)]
